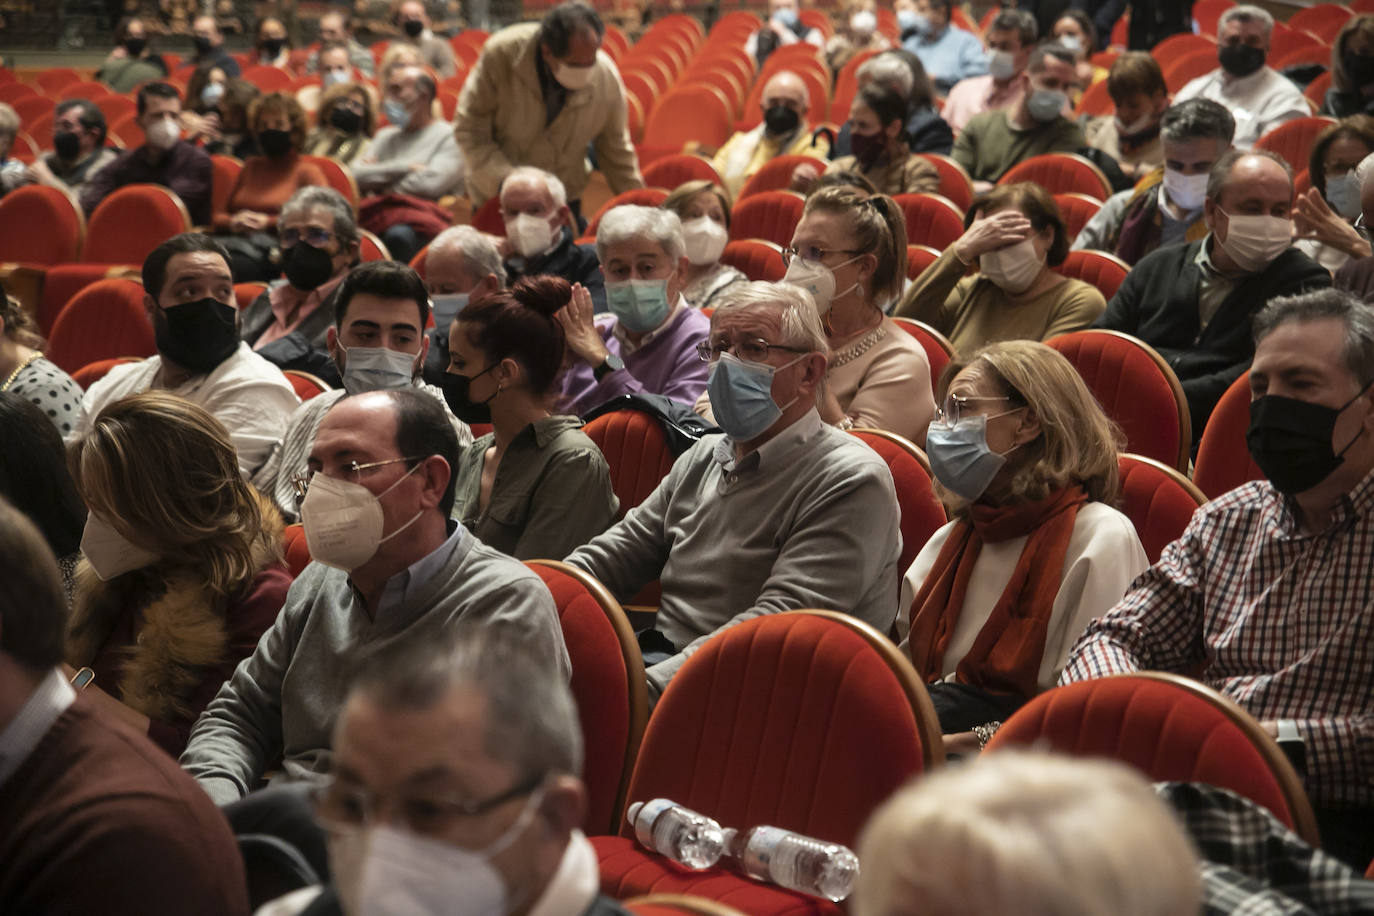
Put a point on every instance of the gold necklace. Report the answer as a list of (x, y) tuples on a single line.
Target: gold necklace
[(18, 369)]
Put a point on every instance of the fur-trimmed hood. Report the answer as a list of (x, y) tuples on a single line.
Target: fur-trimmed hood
[(182, 631)]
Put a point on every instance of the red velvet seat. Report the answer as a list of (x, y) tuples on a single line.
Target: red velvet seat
[(1170, 728), (768, 215), (487, 218), (776, 174), (224, 172), (40, 226), (1187, 67), (921, 513), (1096, 100), (1223, 458), (678, 905), (269, 78), (55, 79), (370, 247), (304, 384), (1293, 140), (689, 114), (939, 351), (642, 197), (607, 682), (1076, 209), (1136, 388), (1324, 20), (339, 176), (1060, 173), (91, 373), (955, 183), (1176, 46), (1105, 271), (103, 321), (671, 171), (636, 450), (296, 549), (805, 720), (756, 259), (918, 258), (1158, 500), (931, 220)]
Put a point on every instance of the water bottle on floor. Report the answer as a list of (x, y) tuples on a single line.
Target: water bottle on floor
[(688, 838), (795, 862)]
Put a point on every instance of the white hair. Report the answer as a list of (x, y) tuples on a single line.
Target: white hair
[(1027, 833), (9, 121), (549, 180), (1364, 172), (628, 221), (801, 320), (1246, 14), (476, 250)]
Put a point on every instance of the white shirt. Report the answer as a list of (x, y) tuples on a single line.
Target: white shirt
[(1259, 102), (246, 393), (1103, 558), (44, 706)]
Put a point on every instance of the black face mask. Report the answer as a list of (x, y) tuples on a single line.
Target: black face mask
[(1290, 440), (274, 143), (203, 45), (307, 267), (459, 401), (413, 27), (1240, 60), (780, 120), (346, 120), (135, 46), (196, 335), (67, 145), (1360, 67), (271, 47), (868, 148)]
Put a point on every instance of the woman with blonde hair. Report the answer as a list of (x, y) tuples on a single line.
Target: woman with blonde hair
[(182, 571), (704, 209), (1027, 463), (347, 121)]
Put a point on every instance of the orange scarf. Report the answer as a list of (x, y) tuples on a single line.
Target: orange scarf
[(1008, 652)]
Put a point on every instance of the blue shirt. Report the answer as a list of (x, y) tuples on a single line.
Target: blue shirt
[(952, 55)]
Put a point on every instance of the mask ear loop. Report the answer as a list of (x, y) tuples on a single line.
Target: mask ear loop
[(1356, 438)]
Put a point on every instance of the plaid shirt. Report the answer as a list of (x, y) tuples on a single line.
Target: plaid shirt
[(1280, 621)]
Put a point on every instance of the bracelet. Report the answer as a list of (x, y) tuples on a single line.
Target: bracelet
[(984, 733)]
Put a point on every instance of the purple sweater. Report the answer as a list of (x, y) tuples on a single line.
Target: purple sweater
[(667, 364)]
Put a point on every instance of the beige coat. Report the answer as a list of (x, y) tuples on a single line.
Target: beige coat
[(500, 121)]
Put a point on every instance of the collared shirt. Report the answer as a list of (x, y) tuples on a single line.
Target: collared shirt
[(1259, 102), (1214, 287), (400, 589), (799, 433), (1281, 618), (949, 57), (48, 701), (291, 306), (975, 95)]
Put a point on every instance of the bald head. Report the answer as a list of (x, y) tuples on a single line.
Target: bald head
[(786, 88)]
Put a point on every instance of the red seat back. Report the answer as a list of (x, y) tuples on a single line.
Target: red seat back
[(1293, 140), (694, 113), (671, 171), (1096, 100), (40, 225), (1158, 500), (955, 183), (642, 197), (487, 218), (920, 510), (1105, 271), (776, 174), (339, 176), (770, 215), (1176, 46), (89, 374), (756, 259), (1322, 19), (1076, 209), (269, 78), (931, 220), (55, 79), (939, 351), (1223, 458), (296, 549), (371, 248), (131, 222), (304, 384), (224, 173), (104, 320), (636, 450), (1061, 173)]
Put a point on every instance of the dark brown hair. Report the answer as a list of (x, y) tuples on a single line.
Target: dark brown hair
[(1134, 73), (518, 323)]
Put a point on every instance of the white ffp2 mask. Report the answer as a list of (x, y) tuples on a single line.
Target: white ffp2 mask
[(110, 553), (532, 235), (343, 521)]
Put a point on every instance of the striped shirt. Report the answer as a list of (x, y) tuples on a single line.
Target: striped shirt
[(1279, 620)]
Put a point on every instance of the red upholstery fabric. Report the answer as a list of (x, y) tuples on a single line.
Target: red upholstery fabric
[(1096, 100), (246, 293), (1166, 731), (371, 248), (1207, 13), (32, 108), (921, 511), (955, 183), (930, 220), (689, 114), (40, 129), (105, 320), (601, 679), (1105, 271), (636, 450), (89, 374), (225, 171), (1317, 89), (1223, 459), (1061, 173), (39, 225), (918, 258), (131, 222), (116, 107), (1293, 139), (339, 176), (55, 79), (1158, 500), (1323, 20), (62, 283), (769, 215), (304, 384), (939, 351), (297, 551), (1135, 388), (847, 86), (671, 171), (1077, 209), (756, 259), (1176, 46), (776, 174), (268, 78), (644, 197), (487, 218)]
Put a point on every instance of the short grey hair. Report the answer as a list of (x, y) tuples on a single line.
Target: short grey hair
[(9, 121), (888, 71), (628, 221), (479, 255), (1246, 14), (320, 197), (550, 180), (531, 719), (1220, 175), (1364, 172), (801, 320), (1357, 315), (1197, 119)]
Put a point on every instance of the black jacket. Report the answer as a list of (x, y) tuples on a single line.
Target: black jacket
[(574, 263), (1158, 303)]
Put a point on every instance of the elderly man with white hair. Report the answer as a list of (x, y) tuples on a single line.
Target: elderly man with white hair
[(540, 232), (1357, 277), (461, 265), (1258, 96), (781, 512), (784, 131), (648, 342)]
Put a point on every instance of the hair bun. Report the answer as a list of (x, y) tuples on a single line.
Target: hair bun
[(544, 294)]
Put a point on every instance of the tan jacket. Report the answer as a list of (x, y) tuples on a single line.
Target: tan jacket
[(500, 121)]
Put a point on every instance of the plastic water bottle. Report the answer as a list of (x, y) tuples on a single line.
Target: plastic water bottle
[(688, 838), (795, 862)]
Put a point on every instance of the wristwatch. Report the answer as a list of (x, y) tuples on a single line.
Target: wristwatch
[(608, 365)]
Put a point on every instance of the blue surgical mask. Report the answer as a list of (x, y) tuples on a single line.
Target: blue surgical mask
[(396, 113), (376, 369), (446, 307), (742, 396), (639, 305), (960, 457), (1343, 194)]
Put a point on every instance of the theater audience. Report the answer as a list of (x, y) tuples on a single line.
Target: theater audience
[(993, 142), (79, 149), (461, 265), (535, 486), (878, 147), (1259, 97), (209, 44), (784, 131), (1017, 238), (335, 69), (247, 224), (381, 465), (182, 570), (540, 95), (856, 31), (131, 62), (1352, 69), (781, 512), (1291, 547), (336, 27), (1074, 30), (1324, 215), (1010, 38), (496, 725), (97, 819), (347, 120), (24, 370), (376, 342), (412, 19), (1194, 303), (218, 119), (1131, 135), (540, 228), (900, 71), (948, 53), (189, 298), (271, 43), (784, 27), (164, 158), (704, 209), (1027, 832), (1165, 206), (648, 342), (1026, 462)]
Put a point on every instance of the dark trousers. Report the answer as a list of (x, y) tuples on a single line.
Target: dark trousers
[(1347, 834), (286, 813), (962, 706)]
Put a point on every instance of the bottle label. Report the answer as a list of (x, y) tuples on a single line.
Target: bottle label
[(759, 853), (644, 822)]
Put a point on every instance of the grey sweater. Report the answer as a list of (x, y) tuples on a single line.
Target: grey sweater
[(386, 166), (808, 521), (284, 698)]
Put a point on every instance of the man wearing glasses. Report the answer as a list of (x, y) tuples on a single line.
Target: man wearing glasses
[(782, 512)]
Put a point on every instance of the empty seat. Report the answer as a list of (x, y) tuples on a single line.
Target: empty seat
[(103, 321), (769, 215)]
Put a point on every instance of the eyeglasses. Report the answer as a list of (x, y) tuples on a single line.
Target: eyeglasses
[(301, 482), (812, 253), (955, 408), (751, 349), (314, 236), (344, 807)]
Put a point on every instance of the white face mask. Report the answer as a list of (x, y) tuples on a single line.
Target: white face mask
[(164, 134), (818, 280), (1013, 268), (343, 521), (705, 239), (1002, 65), (863, 23), (1186, 191), (1070, 43), (572, 78), (337, 75), (109, 552), (1255, 241), (1343, 194), (532, 235), (376, 368)]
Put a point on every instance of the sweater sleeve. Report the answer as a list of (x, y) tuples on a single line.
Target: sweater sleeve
[(474, 127), (934, 296), (1082, 304), (572, 503), (442, 174)]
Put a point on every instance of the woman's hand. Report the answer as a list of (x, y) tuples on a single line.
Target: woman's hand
[(579, 328), (248, 221), (803, 177), (988, 233), (1313, 218)]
